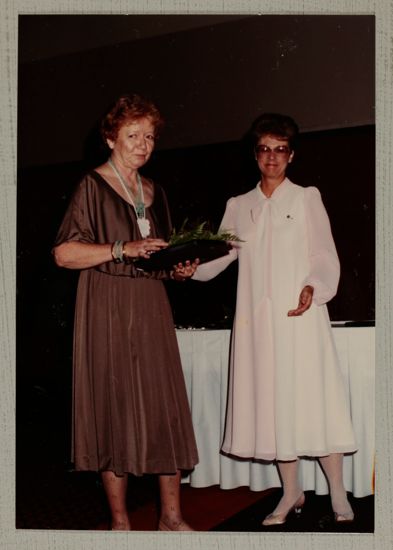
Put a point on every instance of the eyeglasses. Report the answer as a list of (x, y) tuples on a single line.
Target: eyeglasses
[(266, 150)]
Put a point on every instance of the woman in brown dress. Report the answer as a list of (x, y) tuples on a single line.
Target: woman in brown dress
[(130, 409)]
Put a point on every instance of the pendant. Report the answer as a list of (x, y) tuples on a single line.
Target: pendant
[(144, 227)]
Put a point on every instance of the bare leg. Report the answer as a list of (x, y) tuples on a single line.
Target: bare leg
[(292, 491), (293, 495), (333, 467), (171, 518), (116, 490)]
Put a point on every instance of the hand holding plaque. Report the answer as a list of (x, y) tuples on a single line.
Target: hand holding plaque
[(190, 245)]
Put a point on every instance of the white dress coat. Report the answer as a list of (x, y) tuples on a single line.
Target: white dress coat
[(286, 394)]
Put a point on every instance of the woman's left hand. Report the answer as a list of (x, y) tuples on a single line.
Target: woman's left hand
[(184, 271), (305, 301)]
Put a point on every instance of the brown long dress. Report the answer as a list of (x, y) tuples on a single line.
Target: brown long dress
[(130, 407)]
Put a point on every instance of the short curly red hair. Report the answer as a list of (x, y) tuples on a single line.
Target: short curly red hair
[(126, 109)]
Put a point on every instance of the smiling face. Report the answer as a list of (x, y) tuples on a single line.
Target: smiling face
[(134, 143), (273, 155)]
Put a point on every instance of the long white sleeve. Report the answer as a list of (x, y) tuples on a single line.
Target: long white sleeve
[(209, 270), (324, 263)]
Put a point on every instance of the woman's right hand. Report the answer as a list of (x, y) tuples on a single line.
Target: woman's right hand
[(143, 248)]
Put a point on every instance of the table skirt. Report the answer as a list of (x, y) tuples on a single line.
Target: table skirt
[(205, 357)]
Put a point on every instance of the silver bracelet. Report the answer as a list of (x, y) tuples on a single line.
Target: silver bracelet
[(117, 252)]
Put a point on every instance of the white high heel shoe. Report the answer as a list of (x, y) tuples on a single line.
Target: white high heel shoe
[(279, 519), (344, 517)]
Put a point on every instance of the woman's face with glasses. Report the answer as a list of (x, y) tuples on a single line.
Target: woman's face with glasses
[(273, 155)]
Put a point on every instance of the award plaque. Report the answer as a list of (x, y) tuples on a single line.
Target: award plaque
[(203, 249)]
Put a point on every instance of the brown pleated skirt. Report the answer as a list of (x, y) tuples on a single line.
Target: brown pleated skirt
[(130, 407)]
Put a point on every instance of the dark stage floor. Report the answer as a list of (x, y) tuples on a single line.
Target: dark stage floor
[(49, 495)]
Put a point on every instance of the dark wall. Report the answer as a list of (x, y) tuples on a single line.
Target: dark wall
[(210, 82)]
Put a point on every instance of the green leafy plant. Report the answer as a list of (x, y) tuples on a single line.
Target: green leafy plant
[(200, 232)]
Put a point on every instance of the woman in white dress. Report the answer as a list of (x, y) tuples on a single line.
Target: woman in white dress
[(286, 397)]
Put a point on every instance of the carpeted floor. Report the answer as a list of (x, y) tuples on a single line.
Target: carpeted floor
[(49, 495), (316, 516), (76, 501), (53, 497)]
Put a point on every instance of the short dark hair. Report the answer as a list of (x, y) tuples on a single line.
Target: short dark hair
[(275, 124), (128, 108)]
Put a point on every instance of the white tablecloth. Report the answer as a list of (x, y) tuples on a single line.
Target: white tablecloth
[(204, 355)]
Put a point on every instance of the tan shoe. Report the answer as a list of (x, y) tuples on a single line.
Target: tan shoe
[(175, 526), (279, 519), (344, 518)]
